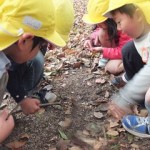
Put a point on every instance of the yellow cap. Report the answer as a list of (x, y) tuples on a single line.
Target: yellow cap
[(144, 6), (114, 4), (31, 16), (95, 9), (64, 17)]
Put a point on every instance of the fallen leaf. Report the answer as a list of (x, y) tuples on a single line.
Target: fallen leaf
[(98, 115), (143, 113), (41, 111), (63, 135), (69, 51), (107, 94), (114, 124), (66, 123), (98, 81), (85, 132), (121, 130), (62, 144), (76, 65), (89, 83), (15, 145), (135, 146), (112, 133), (75, 148)]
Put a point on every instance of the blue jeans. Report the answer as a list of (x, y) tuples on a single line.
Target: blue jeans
[(23, 78)]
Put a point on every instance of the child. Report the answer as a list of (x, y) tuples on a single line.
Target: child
[(105, 39), (133, 19), (21, 39)]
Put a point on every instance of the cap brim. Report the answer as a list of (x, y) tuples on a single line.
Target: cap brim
[(56, 39), (64, 37), (89, 20), (6, 40)]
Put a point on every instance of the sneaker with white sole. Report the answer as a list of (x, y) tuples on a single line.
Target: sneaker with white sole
[(138, 126)]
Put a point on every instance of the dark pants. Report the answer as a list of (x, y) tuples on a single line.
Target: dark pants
[(132, 61), (23, 78)]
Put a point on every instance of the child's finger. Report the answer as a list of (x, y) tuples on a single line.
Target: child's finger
[(4, 114)]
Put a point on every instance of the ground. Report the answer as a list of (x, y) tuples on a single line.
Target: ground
[(80, 121)]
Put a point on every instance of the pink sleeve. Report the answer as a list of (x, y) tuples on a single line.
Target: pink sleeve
[(115, 53)]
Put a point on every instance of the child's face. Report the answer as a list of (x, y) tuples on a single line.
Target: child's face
[(129, 25), (22, 51)]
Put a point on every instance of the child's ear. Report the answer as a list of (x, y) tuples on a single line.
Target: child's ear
[(25, 41), (138, 15)]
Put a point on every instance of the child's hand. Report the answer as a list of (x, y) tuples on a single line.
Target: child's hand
[(30, 105), (6, 126), (117, 111), (96, 49), (88, 44)]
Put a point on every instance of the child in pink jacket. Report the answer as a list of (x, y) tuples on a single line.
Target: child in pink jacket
[(107, 40)]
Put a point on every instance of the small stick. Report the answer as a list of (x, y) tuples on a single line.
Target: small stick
[(41, 105), (49, 104)]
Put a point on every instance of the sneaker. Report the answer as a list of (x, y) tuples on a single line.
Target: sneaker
[(102, 62), (45, 96), (138, 126), (118, 82)]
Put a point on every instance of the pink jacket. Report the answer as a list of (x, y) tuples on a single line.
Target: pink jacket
[(115, 52)]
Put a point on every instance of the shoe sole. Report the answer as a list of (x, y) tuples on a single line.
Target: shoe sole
[(135, 133)]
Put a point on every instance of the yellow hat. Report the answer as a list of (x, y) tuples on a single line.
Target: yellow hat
[(114, 4), (144, 6), (95, 9), (31, 16), (64, 17)]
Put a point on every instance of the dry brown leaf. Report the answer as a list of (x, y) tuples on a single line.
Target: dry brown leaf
[(121, 130), (75, 148), (70, 52), (100, 80), (135, 146), (41, 111), (18, 144), (143, 113), (112, 133), (85, 132), (66, 123), (89, 83), (76, 65), (107, 94), (98, 115), (114, 124), (99, 144)]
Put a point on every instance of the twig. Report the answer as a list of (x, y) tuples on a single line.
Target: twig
[(104, 132), (49, 104), (2, 107), (41, 105)]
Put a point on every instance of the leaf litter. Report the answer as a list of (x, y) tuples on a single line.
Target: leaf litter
[(84, 90)]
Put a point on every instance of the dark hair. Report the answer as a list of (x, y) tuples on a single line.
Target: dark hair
[(37, 40), (112, 30), (128, 9)]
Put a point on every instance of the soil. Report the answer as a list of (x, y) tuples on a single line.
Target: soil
[(83, 102)]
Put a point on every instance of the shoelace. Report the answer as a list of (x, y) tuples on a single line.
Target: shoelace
[(144, 120)]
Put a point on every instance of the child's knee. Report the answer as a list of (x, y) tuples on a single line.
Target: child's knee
[(114, 67)]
